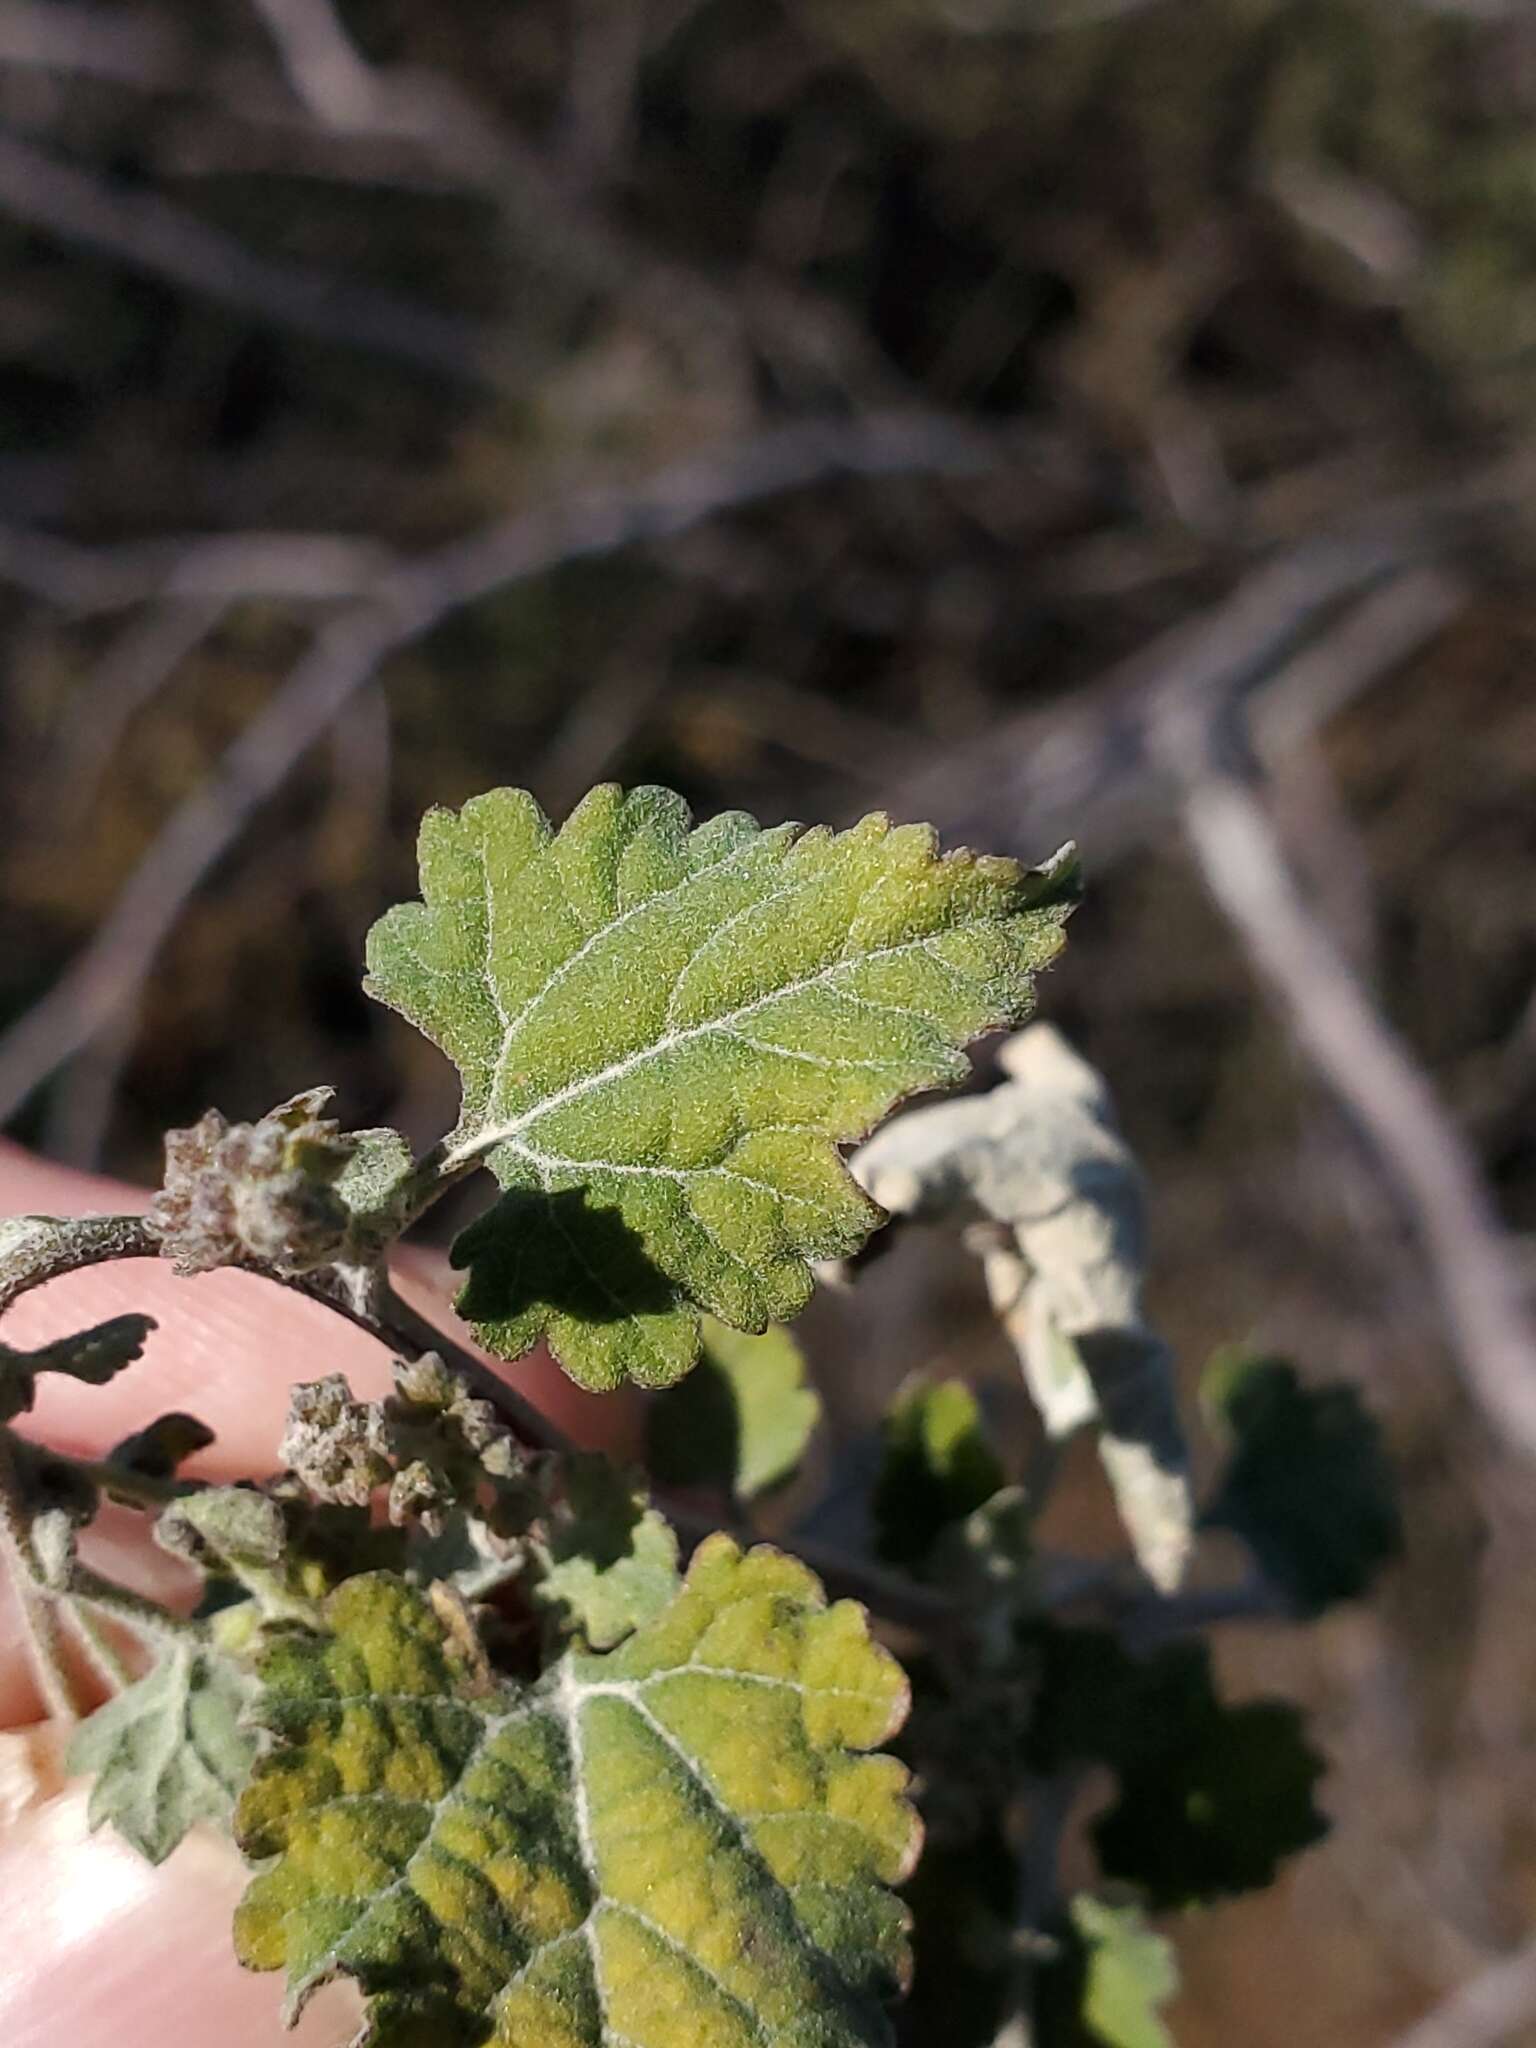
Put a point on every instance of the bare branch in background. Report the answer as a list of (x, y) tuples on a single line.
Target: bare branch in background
[(349, 96), (319, 61), (1378, 1082), (608, 44), (129, 676), (1092, 766), (1488, 2011), (93, 42), (150, 233), (79, 1119), (1383, 632), (201, 568), (349, 649)]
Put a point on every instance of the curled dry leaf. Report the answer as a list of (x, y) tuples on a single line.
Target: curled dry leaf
[(1040, 1162)]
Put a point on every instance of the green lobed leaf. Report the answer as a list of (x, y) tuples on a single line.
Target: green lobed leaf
[(937, 1467), (169, 1751), (664, 1033), (1211, 1796), (742, 1419), (1130, 1975), (672, 1845), (1308, 1486), (609, 1560)]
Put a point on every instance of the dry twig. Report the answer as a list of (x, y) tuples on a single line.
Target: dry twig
[(150, 233), (1376, 1079), (401, 609), (218, 568)]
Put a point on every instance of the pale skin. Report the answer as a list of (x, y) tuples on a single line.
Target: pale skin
[(100, 1950)]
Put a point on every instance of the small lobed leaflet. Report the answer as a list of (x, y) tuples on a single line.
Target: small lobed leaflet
[(169, 1751), (1212, 1796), (1130, 1975), (672, 1845), (664, 1034), (606, 1561)]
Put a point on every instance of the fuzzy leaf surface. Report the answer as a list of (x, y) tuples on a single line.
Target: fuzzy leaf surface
[(742, 1419), (674, 1845), (169, 1751), (664, 1033)]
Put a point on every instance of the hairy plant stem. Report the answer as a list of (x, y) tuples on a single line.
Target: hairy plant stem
[(133, 1489), (39, 1608), (67, 1245), (428, 1180), (145, 1616), (111, 1666), (64, 1244), (372, 1304)]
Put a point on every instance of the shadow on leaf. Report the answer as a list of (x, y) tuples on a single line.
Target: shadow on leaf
[(557, 1253)]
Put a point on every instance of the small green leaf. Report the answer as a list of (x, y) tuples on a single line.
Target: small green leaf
[(938, 1467), (381, 1160), (1131, 1975), (741, 1421), (168, 1752), (664, 1034), (609, 1561), (1309, 1486), (674, 1843)]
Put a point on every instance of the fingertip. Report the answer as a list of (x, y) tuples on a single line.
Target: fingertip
[(105, 1951)]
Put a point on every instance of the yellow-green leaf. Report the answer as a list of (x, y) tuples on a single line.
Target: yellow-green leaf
[(664, 1034), (1130, 1975), (673, 1845)]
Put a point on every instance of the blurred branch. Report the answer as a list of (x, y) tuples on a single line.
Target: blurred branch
[(403, 607), (1091, 759), (319, 62), (338, 95), (1092, 766), (1386, 629), (198, 569), (98, 714), (1374, 1076), (607, 47), (95, 42), (150, 233), (1487, 2011)]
